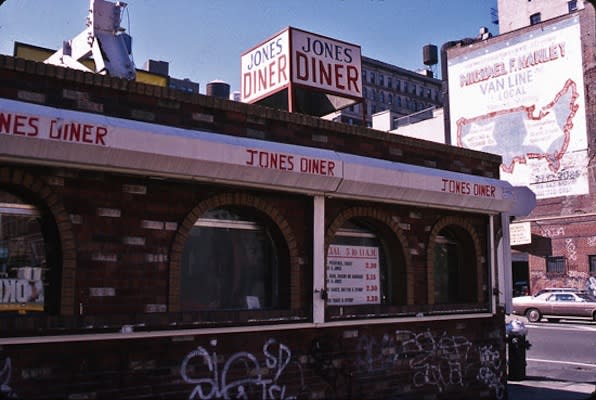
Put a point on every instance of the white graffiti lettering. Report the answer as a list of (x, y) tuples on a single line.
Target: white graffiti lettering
[(571, 249), (438, 361), (490, 372), (6, 391), (242, 376)]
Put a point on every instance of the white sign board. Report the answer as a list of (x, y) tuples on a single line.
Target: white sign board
[(353, 275), (523, 98), (266, 68), (520, 233), (326, 64)]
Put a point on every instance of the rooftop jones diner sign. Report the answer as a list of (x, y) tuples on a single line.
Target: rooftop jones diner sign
[(301, 58)]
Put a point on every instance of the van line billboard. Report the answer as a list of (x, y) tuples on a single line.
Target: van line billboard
[(522, 97)]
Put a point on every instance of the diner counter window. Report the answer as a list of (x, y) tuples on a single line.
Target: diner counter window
[(366, 271), (23, 266), (234, 259)]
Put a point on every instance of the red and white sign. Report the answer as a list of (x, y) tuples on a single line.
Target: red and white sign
[(353, 275), (266, 68), (326, 64), (301, 58)]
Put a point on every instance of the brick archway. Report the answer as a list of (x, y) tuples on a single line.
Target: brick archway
[(385, 220), (235, 199), (463, 225), (36, 186)]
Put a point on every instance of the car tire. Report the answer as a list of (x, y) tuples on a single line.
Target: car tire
[(533, 315)]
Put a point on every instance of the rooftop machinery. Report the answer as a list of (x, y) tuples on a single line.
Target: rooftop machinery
[(103, 40)]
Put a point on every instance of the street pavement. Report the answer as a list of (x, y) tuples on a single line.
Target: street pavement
[(534, 388)]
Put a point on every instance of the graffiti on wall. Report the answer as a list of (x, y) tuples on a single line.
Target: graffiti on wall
[(439, 361), (242, 375), (490, 372), (6, 391)]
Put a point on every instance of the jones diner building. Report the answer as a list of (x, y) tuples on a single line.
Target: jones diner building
[(161, 244)]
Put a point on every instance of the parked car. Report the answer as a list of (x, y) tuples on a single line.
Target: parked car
[(555, 305), (557, 289)]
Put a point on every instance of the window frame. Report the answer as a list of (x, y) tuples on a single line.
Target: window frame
[(535, 18), (592, 264), (556, 265)]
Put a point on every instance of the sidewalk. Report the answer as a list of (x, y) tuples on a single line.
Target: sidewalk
[(530, 389)]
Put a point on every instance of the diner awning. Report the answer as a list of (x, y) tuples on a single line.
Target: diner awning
[(36, 134)]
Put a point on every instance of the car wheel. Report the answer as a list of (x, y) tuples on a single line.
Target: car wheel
[(533, 315)]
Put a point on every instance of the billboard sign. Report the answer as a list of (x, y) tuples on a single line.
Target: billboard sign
[(522, 96), (266, 68), (326, 64), (305, 59)]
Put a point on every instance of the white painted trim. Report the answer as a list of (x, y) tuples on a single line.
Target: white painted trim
[(351, 324), (506, 267), (318, 303)]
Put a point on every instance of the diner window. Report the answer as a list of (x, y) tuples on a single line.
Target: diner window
[(24, 262), (455, 274), (365, 269), (234, 259), (592, 266), (535, 19), (572, 5), (556, 265)]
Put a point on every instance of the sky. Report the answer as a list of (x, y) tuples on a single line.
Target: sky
[(203, 40)]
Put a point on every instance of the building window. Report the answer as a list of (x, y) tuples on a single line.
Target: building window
[(389, 83), (24, 270), (382, 97), (381, 80), (535, 19), (398, 101), (389, 98), (592, 260), (572, 5), (372, 77), (398, 85), (365, 257), (234, 259), (363, 75), (556, 265), (454, 269)]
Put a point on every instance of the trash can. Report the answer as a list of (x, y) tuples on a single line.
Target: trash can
[(517, 344)]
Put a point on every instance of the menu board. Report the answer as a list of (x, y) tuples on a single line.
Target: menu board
[(353, 275)]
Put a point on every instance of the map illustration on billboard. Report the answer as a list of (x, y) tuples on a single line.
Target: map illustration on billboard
[(523, 99)]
